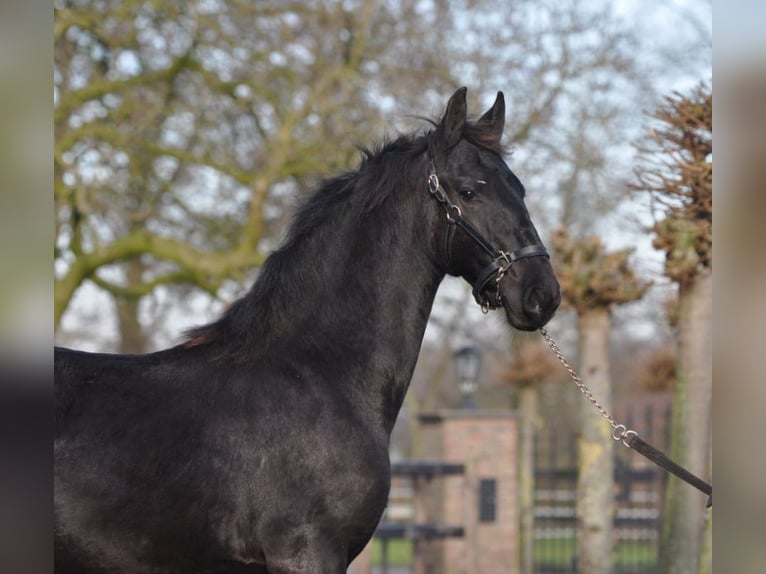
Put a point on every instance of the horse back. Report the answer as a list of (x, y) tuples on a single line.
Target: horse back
[(128, 445), (77, 371), (69, 373)]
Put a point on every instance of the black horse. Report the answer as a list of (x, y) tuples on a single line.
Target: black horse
[(260, 444)]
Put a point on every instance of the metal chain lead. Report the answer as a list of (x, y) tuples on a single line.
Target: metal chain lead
[(619, 431)]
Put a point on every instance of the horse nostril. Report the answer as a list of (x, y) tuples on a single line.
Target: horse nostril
[(540, 302), (534, 300)]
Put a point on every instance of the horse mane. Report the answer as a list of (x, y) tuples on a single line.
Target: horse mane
[(358, 192)]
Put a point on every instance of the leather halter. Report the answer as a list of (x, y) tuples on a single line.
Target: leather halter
[(501, 260)]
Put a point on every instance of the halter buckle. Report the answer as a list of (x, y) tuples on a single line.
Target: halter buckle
[(505, 261)]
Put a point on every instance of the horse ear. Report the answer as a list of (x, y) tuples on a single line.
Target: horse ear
[(494, 118), (451, 126)]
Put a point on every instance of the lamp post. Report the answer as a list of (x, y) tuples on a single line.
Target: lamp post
[(467, 366)]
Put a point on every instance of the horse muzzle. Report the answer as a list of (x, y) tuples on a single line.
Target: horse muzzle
[(531, 306)]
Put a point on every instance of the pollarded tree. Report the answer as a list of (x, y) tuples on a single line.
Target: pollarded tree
[(676, 171), (594, 281), (657, 372)]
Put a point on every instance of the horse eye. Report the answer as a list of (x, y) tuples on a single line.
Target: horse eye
[(467, 193)]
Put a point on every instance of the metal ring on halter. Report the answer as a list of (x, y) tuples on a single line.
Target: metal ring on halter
[(618, 434), (458, 211), (433, 183)]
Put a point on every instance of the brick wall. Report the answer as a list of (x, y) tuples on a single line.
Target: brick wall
[(486, 443)]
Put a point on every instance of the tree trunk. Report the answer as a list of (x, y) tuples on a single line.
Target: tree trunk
[(685, 512), (527, 422), (595, 487), (133, 339)]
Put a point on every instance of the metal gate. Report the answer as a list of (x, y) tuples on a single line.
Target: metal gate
[(640, 493)]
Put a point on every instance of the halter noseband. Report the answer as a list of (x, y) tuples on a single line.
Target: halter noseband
[(501, 260)]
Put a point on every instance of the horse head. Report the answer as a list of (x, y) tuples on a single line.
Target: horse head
[(488, 237)]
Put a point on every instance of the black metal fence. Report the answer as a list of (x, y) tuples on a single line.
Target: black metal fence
[(640, 490)]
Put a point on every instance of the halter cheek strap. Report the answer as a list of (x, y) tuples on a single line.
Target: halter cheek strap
[(501, 260)]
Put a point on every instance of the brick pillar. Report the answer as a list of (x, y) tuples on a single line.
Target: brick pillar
[(485, 442), (362, 564)]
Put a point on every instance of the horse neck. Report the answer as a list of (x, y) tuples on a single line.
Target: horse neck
[(351, 299)]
